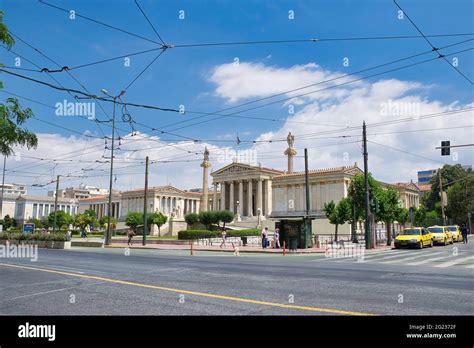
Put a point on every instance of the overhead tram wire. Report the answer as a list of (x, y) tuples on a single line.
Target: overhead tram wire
[(69, 73), (308, 86), (149, 22), (209, 114), (323, 89), (435, 49), (145, 69), (248, 42), (311, 135), (406, 152)]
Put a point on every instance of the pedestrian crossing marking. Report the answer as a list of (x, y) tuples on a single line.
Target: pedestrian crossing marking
[(408, 258), (454, 262), (427, 260)]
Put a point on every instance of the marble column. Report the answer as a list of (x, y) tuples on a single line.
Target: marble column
[(268, 202), (241, 198), (205, 186), (259, 196), (223, 199), (249, 198), (231, 197), (214, 199)]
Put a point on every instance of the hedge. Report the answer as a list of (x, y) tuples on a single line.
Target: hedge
[(244, 233), (57, 237), (198, 234)]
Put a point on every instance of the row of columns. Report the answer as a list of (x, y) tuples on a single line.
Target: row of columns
[(166, 204), (230, 203), (101, 209)]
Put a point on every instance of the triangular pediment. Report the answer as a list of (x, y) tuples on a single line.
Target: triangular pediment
[(243, 168), (169, 189)]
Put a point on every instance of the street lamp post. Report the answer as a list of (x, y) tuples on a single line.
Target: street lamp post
[(109, 214)]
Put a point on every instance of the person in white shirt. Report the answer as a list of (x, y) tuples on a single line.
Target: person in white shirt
[(276, 238), (223, 235)]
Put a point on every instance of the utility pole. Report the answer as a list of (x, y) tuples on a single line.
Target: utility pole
[(109, 210), (307, 227), (56, 204), (145, 202), (441, 196), (368, 239), (3, 185), (354, 218)]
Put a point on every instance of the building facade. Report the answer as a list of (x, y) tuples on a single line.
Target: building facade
[(14, 189), (244, 189), (38, 207)]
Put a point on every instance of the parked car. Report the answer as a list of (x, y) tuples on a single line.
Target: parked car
[(417, 237), (441, 235), (456, 231)]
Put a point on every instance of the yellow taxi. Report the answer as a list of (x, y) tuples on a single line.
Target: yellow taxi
[(456, 231), (418, 237), (441, 235)]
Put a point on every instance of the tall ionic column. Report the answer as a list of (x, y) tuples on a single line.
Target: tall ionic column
[(214, 199), (223, 205), (259, 196), (241, 198), (231, 197), (205, 165), (249, 198)]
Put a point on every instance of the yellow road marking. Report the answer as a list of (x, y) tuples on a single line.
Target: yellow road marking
[(188, 292)]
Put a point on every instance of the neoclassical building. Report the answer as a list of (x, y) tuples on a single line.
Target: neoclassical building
[(244, 189)]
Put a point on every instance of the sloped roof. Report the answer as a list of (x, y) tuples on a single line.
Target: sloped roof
[(352, 170)]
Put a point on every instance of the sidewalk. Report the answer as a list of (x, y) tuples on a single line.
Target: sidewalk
[(137, 244)]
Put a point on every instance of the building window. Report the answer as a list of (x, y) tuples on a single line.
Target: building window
[(46, 209), (35, 210)]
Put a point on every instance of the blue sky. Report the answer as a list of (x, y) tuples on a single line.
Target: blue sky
[(184, 75)]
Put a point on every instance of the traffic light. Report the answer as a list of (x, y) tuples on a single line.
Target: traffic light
[(445, 148)]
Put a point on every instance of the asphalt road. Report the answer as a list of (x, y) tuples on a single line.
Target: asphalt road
[(93, 281)]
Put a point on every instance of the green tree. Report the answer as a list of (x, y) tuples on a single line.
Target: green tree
[(12, 116), (104, 220), (338, 214), (133, 220), (420, 215), (226, 216), (157, 219), (82, 221), (191, 219), (8, 222), (63, 219), (449, 174), (388, 209), (207, 218), (403, 216), (461, 200), (37, 222), (357, 195)]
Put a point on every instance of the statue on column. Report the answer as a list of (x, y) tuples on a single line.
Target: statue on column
[(205, 165), (290, 152)]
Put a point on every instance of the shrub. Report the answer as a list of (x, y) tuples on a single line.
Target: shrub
[(191, 218), (198, 234), (207, 218), (57, 237), (244, 233)]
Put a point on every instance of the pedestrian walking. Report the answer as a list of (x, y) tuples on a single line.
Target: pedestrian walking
[(264, 237), (276, 238), (131, 234), (464, 234), (223, 235)]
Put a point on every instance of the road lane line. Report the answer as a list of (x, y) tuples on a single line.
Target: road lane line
[(454, 262), (196, 293)]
